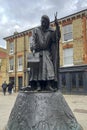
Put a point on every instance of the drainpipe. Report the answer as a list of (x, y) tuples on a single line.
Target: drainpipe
[(15, 60), (24, 60), (84, 40)]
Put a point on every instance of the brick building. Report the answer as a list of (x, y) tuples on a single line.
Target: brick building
[(3, 66), (73, 53)]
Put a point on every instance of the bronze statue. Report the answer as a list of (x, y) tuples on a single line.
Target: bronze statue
[(43, 110), (44, 43), (44, 63)]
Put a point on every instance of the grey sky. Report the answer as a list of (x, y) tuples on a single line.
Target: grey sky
[(24, 14)]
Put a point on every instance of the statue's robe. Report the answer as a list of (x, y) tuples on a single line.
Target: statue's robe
[(45, 44)]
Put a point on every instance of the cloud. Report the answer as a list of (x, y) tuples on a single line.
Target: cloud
[(24, 14)]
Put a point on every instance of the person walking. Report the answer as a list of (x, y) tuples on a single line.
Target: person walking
[(10, 87), (4, 87)]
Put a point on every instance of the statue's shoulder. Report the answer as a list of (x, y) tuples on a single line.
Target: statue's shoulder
[(39, 29), (36, 29), (51, 29)]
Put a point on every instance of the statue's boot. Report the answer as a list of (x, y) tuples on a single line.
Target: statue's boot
[(38, 86), (28, 88), (49, 86)]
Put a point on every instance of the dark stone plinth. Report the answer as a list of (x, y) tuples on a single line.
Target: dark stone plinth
[(41, 111)]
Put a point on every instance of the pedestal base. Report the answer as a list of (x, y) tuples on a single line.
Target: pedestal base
[(41, 111)]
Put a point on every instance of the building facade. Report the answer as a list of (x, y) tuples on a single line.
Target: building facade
[(18, 46), (3, 67), (73, 53)]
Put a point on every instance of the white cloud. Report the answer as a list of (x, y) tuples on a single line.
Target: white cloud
[(84, 4), (1, 10), (47, 7), (4, 19), (21, 15)]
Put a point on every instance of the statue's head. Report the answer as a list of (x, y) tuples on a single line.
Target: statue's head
[(45, 21)]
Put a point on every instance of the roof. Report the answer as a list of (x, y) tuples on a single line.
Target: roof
[(61, 19)]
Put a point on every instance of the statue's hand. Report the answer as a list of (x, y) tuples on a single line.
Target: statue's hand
[(57, 26), (32, 48), (56, 22)]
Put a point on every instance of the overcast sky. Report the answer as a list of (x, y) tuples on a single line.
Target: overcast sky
[(20, 15)]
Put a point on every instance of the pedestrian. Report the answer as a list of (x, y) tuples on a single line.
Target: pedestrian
[(10, 87), (4, 87)]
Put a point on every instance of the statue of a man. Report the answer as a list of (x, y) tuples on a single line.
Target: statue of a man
[(44, 42)]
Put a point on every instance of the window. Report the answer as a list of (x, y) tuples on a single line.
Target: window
[(11, 64), (20, 63), (11, 48), (68, 56), (67, 33), (30, 41)]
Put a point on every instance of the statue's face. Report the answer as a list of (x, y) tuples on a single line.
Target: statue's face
[(44, 23)]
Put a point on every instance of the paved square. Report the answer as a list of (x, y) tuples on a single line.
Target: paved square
[(77, 103)]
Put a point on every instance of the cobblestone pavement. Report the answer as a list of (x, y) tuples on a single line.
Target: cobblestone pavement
[(77, 103)]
